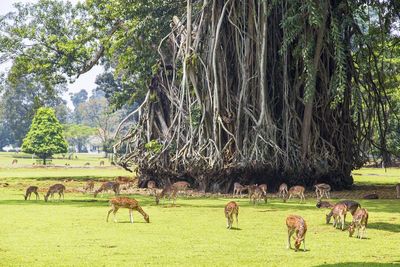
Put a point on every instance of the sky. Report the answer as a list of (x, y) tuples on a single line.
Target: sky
[(85, 81)]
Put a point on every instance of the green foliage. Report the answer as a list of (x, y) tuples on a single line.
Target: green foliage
[(153, 146), (78, 134), (45, 136)]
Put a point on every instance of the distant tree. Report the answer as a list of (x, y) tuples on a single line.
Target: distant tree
[(45, 136), (79, 97), (78, 134)]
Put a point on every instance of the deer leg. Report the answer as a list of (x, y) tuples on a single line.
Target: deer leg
[(37, 195), (304, 243), (290, 232), (237, 221), (109, 212), (115, 212), (131, 215)]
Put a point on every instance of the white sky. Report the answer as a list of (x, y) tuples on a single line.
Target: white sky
[(85, 81)]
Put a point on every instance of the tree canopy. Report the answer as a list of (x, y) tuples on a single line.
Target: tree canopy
[(45, 136)]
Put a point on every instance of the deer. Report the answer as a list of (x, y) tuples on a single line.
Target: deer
[(283, 190), (351, 205), (322, 189), (128, 203), (324, 204), (102, 163), (264, 188), (89, 186), (56, 188), (232, 208), (106, 186), (256, 195), (398, 190), (360, 221), (30, 190), (87, 164), (297, 190), (251, 189), (339, 215), (15, 161), (123, 180), (238, 189), (371, 196), (169, 192), (296, 224)]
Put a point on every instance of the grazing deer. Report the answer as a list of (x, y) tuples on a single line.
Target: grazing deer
[(264, 189), (398, 190), (238, 189), (129, 203), (283, 190), (251, 189), (169, 192), (231, 209), (339, 215), (322, 189), (123, 180), (324, 204), (15, 161), (351, 205), (360, 221), (87, 164), (102, 163), (181, 185), (296, 224), (56, 188), (29, 191), (89, 186), (297, 190), (256, 195), (106, 186)]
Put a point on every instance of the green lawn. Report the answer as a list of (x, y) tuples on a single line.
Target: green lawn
[(376, 176), (74, 233)]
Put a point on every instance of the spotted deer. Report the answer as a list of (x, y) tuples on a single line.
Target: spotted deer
[(128, 203), (89, 186), (322, 189), (398, 190), (125, 181), (29, 191), (339, 215), (107, 186), (251, 189), (231, 209), (324, 204), (238, 189), (102, 163), (351, 205), (296, 224), (360, 221), (15, 161), (168, 192), (283, 190), (256, 195), (56, 188), (181, 186), (297, 190)]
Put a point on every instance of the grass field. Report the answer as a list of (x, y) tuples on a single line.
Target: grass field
[(193, 233)]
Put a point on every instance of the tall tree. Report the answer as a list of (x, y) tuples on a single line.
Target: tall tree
[(45, 136)]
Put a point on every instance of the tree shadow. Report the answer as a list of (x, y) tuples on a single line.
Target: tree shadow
[(384, 226)]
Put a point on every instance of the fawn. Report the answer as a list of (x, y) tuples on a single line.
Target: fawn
[(231, 209), (351, 205), (56, 188), (102, 163), (29, 191), (398, 190), (322, 189), (297, 190), (238, 189), (89, 186), (296, 224), (360, 221), (129, 203), (169, 192), (283, 190), (339, 215), (106, 186)]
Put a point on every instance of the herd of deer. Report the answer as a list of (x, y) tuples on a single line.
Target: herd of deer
[(295, 224)]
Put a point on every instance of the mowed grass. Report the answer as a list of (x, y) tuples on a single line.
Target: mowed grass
[(376, 176), (193, 233)]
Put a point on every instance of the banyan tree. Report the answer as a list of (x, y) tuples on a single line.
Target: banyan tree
[(260, 91)]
